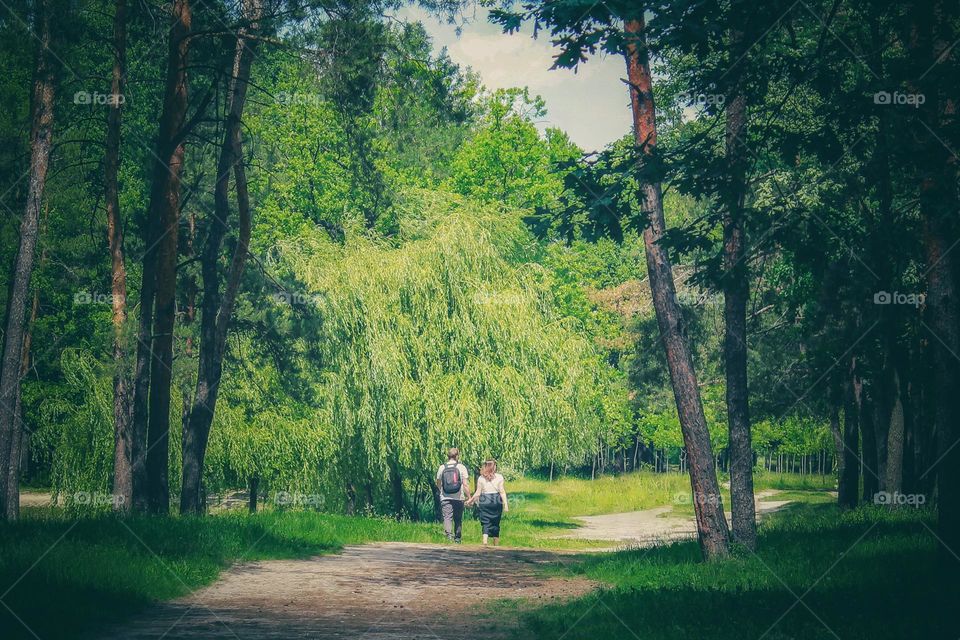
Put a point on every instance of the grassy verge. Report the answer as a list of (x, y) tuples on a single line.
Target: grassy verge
[(864, 574), (568, 497), (793, 482)]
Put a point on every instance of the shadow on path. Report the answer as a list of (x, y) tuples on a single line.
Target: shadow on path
[(386, 590)]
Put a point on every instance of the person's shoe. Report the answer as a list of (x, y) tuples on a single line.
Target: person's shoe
[(457, 541)]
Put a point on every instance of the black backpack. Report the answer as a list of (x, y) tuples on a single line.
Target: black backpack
[(450, 478)]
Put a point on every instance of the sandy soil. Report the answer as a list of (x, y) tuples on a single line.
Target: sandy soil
[(654, 525), (374, 591)]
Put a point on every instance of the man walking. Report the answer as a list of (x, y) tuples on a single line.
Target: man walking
[(452, 482)]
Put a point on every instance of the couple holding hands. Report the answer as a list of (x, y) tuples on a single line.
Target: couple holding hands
[(489, 496)]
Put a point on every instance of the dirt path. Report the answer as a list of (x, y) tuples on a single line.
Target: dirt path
[(654, 525), (374, 591), (394, 590)]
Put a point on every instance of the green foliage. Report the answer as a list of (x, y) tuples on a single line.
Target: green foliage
[(792, 435), (450, 338), (379, 319), (507, 161), (77, 423), (309, 179)]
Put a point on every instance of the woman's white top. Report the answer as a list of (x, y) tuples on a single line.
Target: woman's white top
[(490, 486)]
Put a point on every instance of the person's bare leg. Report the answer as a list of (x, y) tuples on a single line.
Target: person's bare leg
[(485, 537), (496, 541)]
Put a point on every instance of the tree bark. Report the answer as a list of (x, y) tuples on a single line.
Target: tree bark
[(868, 433), (216, 312), (396, 487), (944, 320), (889, 427), (41, 142), (934, 34), (849, 484), (351, 505), (128, 451), (736, 296), (156, 348), (708, 507), (837, 433), (254, 486), (17, 453), (895, 437), (437, 514)]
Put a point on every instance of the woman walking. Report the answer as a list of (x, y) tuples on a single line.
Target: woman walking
[(491, 500)]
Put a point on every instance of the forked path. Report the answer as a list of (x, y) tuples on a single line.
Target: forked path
[(373, 591), (651, 526)]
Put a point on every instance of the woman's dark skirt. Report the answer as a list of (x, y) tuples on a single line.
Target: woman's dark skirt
[(489, 511)]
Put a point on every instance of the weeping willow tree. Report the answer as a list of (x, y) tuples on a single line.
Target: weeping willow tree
[(77, 427), (447, 336)]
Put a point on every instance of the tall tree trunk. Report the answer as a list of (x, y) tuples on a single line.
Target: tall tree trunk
[(437, 514), (708, 506), (736, 295), (895, 437), (882, 246), (128, 452), (396, 487), (868, 432), (849, 485), (41, 141), (351, 506), (216, 312), (881, 427), (944, 323), (141, 374), (934, 35), (161, 261), (837, 432), (18, 454), (253, 483), (910, 451)]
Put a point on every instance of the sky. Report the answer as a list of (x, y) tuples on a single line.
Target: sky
[(591, 105)]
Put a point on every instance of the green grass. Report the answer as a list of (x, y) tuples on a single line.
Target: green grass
[(567, 497), (864, 574), (793, 481)]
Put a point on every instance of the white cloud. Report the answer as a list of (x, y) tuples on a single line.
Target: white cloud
[(591, 105), (506, 61)]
